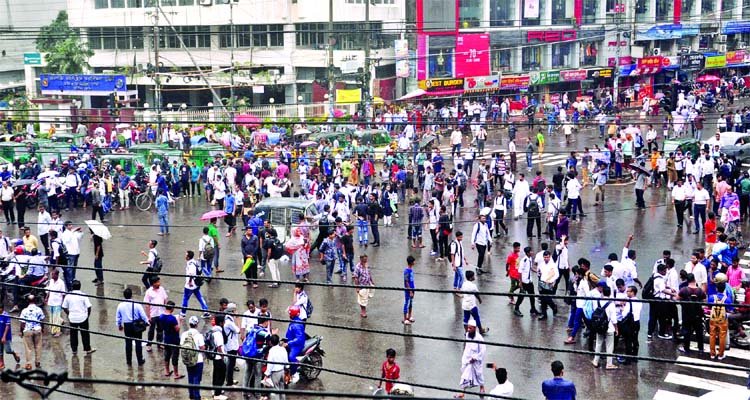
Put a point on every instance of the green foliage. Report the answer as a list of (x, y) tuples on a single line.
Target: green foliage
[(66, 52)]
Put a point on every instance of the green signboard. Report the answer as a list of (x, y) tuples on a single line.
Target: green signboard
[(544, 77), (32, 59)]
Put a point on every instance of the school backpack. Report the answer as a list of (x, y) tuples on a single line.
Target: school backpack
[(249, 347), (198, 279), (532, 207), (211, 345), (648, 288), (189, 351), (277, 248), (718, 313), (309, 307), (208, 250), (62, 250), (541, 184), (600, 320)]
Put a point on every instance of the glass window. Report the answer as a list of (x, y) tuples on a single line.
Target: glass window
[(108, 38), (746, 9), (587, 53), (441, 63), (118, 3), (202, 36), (225, 36), (242, 36), (122, 38), (664, 10), (687, 8), (95, 38), (168, 2), (532, 13), (135, 3), (562, 12), (641, 10), (590, 11), (470, 12), (727, 8), (276, 35), (136, 37), (187, 2), (531, 58), (98, 4), (311, 35), (561, 55), (503, 12), (500, 59), (708, 6)]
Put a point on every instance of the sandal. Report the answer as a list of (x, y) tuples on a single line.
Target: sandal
[(27, 366), (169, 373), (178, 376)]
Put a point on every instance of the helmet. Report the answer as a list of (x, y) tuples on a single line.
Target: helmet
[(19, 250), (293, 311), (720, 278)]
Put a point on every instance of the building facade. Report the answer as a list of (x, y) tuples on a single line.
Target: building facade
[(279, 48)]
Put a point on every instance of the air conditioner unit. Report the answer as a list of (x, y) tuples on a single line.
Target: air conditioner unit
[(721, 48), (656, 51), (205, 2), (741, 45), (721, 38)]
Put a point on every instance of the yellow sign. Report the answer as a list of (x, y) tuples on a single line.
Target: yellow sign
[(716, 62), (348, 95)]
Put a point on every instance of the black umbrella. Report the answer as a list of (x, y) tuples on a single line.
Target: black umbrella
[(638, 168), (24, 182)]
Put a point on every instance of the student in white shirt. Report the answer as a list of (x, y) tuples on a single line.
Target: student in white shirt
[(220, 367), (78, 308), (275, 364), (504, 386), (195, 373), (605, 342), (481, 240)]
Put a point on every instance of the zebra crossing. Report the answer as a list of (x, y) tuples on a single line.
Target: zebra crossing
[(546, 159)]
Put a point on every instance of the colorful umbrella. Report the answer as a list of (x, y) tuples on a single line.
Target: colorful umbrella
[(196, 129), (308, 144), (213, 214), (302, 131), (708, 78), (248, 120), (250, 262)]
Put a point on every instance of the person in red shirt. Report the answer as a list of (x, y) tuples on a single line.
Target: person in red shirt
[(390, 370), (511, 270), (710, 229)]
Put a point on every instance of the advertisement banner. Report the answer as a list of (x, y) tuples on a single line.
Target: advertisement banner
[(78, 84), (531, 9), (652, 61), (544, 77), (691, 61), (472, 54), (477, 83), (716, 62), (442, 84), (348, 95), (422, 56), (515, 82), (735, 57), (401, 48), (402, 69), (573, 76), (605, 73)]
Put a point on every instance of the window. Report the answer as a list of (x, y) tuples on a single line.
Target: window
[(441, 63), (187, 2), (116, 38), (727, 8), (687, 8), (562, 12), (531, 58), (98, 4), (531, 12), (707, 6), (117, 3), (587, 53), (470, 12), (746, 9), (641, 10), (268, 35), (502, 12), (561, 55), (664, 10), (252, 35), (108, 38), (311, 35), (500, 59), (135, 3), (192, 36), (590, 11), (168, 2)]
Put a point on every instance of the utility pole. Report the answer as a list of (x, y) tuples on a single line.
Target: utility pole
[(619, 10), (231, 66), (366, 77), (157, 77), (331, 78)]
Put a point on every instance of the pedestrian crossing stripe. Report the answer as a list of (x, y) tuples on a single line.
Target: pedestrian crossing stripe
[(706, 366), (548, 159), (700, 383), (662, 394), (733, 352)]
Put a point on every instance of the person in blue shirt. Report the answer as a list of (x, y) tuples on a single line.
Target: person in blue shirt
[(6, 335), (295, 336), (162, 208), (327, 171), (150, 134), (230, 207), (127, 313), (408, 294), (558, 388), (437, 162), (123, 183), (195, 174), (161, 182)]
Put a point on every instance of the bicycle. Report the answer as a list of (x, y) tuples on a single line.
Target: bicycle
[(144, 200)]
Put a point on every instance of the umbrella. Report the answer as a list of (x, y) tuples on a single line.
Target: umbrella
[(708, 78), (213, 214), (302, 131), (122, 126), (196, 129), (48, 174), (24, 182), (631, 130), (485, 211), (308, 143), (248, 120), (638, 168), (250, 262), (99, 229)]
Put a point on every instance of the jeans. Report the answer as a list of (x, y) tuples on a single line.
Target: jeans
[(530, 226), (231, 361), (434, 240), (546, 301), (408, 301), (474, 312), (639, 202), (362, 231), (481, 249), (527, 288), (98, 269), (529, 164), (155, 328), (131, 335), (45, 243), (329, 270), (575, 320), (10, 216), (71, 194), (216, 256), (699, 213), (605, 343), (163, 223), (195, 373), (82, 327), (375, 231), (219, 374), (206, 267), (252, 374), (458, 277), (69, 273), (574, 207), (692, 328), (679, 209), (186, 296), (443, 245)]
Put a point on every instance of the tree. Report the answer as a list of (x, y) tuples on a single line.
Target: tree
[(66, 52)]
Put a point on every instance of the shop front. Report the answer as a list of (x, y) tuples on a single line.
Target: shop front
[(516, 87)]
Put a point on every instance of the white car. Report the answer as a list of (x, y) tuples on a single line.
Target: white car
[(728, 138)]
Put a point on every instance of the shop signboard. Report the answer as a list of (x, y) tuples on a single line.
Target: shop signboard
[(476, 83), (544, 77), (691, 61), (716, 61), (736, 57), (599, 73), (573, 75), (442, 84), (515, 82), (79, 84), (402, 69), (472, 54), (651, 61), (401, 48)]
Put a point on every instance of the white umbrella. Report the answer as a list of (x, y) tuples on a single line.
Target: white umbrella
[(48, 174), (302, 131), (99, 229), (122, 126)]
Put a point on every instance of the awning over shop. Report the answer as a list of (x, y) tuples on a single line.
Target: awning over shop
[(436, 93)]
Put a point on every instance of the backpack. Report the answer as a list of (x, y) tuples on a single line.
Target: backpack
[(309, 307), (189, 351), (648, 289), (62, 249), (718, 313), (277, 249), (198, 279), (599, 319), (157, 264), (532, 207), (208, 338), (249, 347), (541, 184), (208, 250)]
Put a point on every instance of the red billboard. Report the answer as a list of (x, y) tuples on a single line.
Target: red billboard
[(472, 54)]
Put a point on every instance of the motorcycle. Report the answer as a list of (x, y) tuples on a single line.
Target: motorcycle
[(711, 104), (37, 288), (312, 358)]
